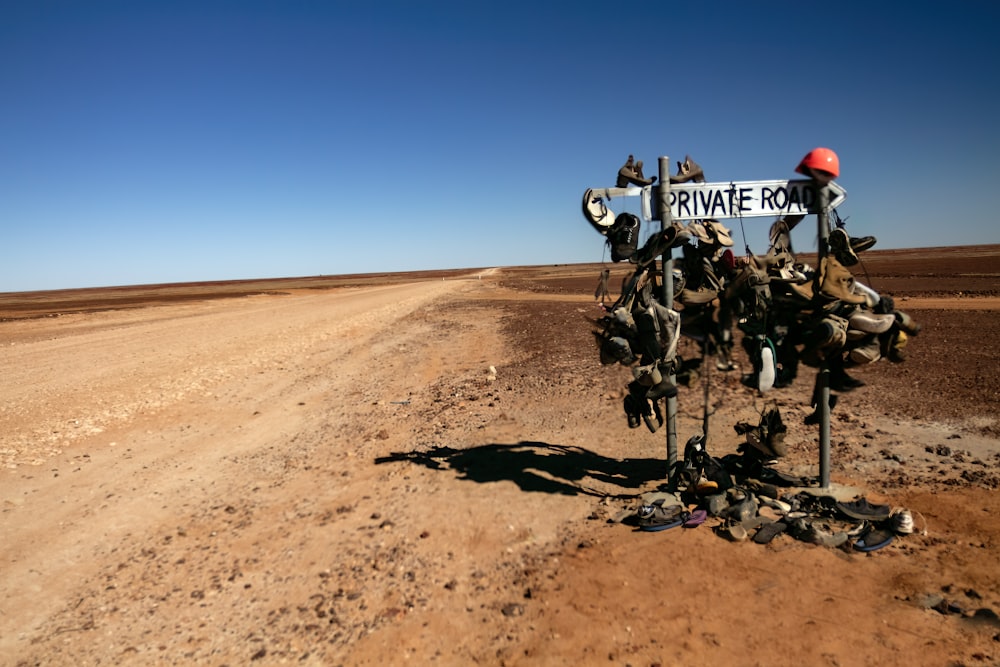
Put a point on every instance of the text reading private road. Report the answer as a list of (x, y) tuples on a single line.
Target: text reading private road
[(747, 199)]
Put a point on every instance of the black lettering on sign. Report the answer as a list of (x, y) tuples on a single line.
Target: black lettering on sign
[(808, 196), (718, 204), (731, 197), (794, 195), (781, 198), (683, 199), (766, 194), (704, 199), (735, 199)]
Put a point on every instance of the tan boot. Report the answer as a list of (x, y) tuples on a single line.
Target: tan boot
[(689, 170)]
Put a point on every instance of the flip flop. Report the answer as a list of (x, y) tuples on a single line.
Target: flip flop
[(654, 518), (769, 531), (873, 540), (696, 518)]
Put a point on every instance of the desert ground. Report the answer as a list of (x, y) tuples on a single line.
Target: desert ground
[(433, 468)]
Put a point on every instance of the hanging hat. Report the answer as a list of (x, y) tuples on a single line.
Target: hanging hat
[(821, 160), (719, 232), (698, 232)]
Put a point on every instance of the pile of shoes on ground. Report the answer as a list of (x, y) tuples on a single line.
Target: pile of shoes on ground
[(747, 500), (788, 312)]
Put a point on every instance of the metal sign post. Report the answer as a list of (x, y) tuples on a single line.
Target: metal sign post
[(666, 220), (823, 377)]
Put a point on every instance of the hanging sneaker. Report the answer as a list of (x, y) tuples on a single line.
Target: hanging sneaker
[(862, 243), (840, 246)]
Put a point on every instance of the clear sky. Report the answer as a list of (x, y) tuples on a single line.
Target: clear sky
[(147, 142)]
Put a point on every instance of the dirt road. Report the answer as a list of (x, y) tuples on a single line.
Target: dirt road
[(141, 447), (424, 473)]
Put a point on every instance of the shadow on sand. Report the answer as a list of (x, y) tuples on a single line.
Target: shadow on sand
[(539, 467)]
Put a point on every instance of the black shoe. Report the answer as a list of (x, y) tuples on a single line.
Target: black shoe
[(862, 243), (665, 389), (814, 417), (632, 411), (843, 382), (656, 245), (906, 323)]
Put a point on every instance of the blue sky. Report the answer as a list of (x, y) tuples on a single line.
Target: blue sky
[(147, 142)]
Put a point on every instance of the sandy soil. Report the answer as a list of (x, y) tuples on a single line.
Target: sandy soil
[(425, 469)]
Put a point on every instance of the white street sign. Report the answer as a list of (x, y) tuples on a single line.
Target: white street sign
[(735, 199), (749, 199)]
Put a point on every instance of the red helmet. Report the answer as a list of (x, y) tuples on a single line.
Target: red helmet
[(820, 159)]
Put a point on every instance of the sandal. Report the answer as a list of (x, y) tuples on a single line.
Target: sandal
[(769, 531), (873, 540), (696, 518), (656, 517)]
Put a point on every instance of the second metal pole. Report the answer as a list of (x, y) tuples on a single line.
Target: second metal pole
[(666, 220)]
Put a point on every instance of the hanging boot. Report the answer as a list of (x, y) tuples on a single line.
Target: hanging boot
[(897, 347), (839, 379), (653, 419), (689, 170), (640, 175), (632, 411), (814, 417), (906, 323)]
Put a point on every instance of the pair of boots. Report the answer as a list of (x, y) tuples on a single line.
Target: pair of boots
[(631, 173), (642, 403), (689, 170), (640, 409)]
